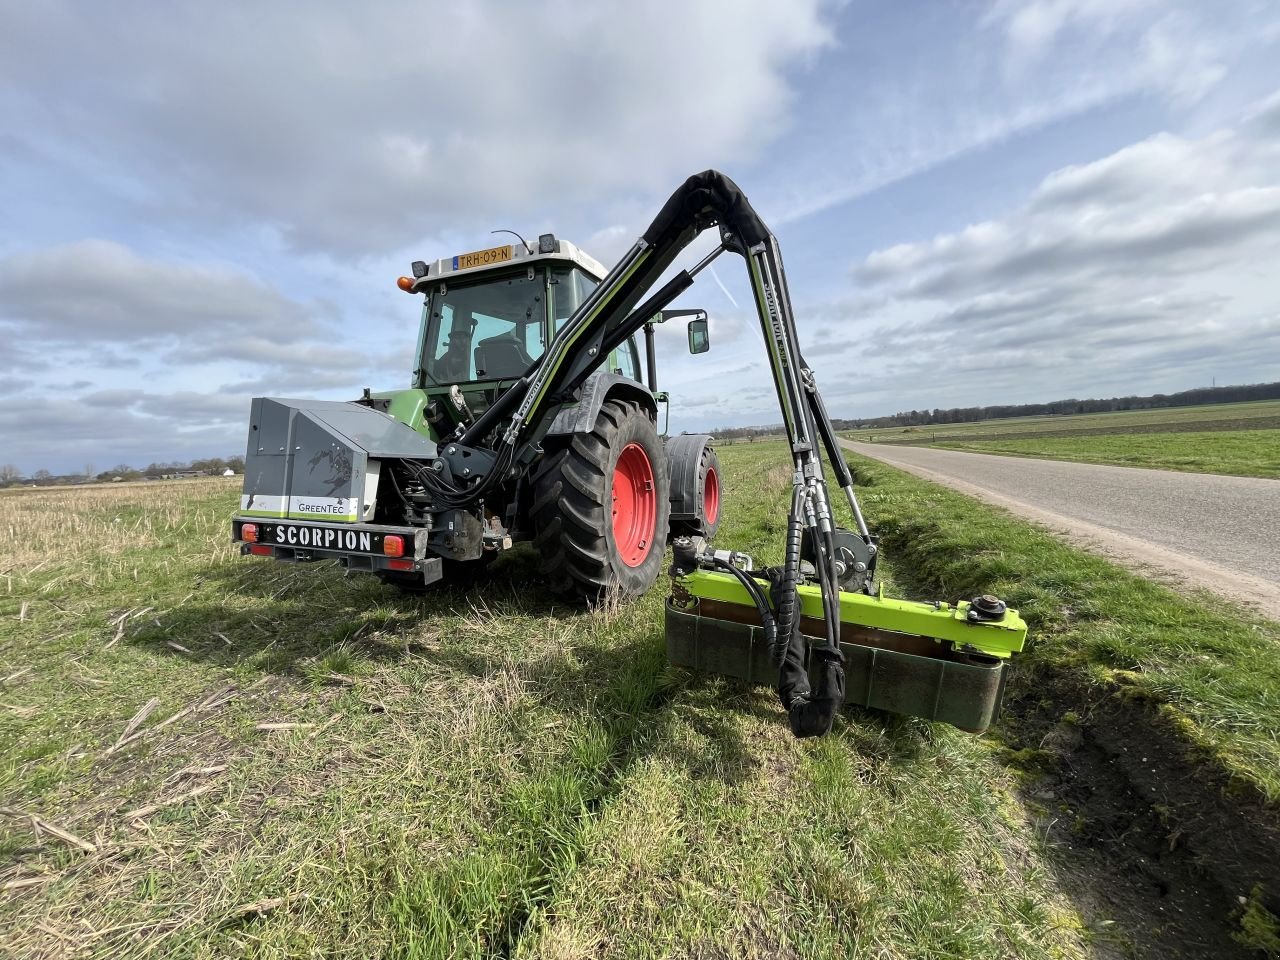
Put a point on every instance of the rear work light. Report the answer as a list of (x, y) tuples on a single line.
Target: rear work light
[(393, 545), (400, 564), (261, 550), (249, 532)]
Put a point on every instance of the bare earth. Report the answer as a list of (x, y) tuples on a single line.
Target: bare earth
[(1201, 530)]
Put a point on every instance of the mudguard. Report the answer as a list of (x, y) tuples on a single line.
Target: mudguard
[(580, 416), (684, 456)]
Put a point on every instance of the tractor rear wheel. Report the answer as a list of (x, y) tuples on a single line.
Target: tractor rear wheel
[(600, 506), (707, 499)]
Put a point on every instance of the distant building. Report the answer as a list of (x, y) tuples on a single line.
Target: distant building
[(228, 472)]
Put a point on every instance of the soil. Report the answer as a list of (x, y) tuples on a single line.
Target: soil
[(1156, 847)]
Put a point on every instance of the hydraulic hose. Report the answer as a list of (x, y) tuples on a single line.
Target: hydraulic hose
[(784, 591), (749, 583)]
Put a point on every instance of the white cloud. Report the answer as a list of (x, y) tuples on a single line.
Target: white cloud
[(1051, 60), (1147, 268), (102, 290), (355, 129), (130, 426)]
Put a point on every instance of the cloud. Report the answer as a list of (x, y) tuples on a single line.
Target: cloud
[(960, 84), (123, 426), (1169, 48), (1167, 205), (1144, 268), (164, 333), (101, 290), (358, 129)]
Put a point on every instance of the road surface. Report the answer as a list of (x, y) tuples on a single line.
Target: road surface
[(1220, 533)]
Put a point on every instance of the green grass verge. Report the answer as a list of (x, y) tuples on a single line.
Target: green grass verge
[(1213, 670), (1242, 453), (465, 775)]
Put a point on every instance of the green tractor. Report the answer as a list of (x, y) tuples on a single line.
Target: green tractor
[(527, 420), (608, 491)]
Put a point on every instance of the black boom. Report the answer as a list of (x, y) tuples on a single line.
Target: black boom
[(517, 423)]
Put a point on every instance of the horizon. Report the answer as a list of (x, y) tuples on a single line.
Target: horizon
[(225, 458)]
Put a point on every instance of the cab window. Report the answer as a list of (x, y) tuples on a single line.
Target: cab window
[(571, 287), (491, 330), (623, 361)]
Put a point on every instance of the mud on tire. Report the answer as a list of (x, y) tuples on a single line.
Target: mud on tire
[(593, 537)]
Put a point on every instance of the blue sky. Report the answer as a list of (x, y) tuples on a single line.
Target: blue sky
[(978, 202)]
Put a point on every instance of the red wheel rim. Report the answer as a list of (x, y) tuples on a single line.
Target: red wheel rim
[(711, 496), (635, 505)]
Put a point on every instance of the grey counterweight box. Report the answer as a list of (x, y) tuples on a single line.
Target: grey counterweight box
[(321, 459)]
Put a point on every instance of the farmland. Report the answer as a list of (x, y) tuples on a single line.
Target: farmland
[(1242, 439), (210, 756)]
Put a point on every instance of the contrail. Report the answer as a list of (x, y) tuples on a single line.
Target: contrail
[(723, 288)]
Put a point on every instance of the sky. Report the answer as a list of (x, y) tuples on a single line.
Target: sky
[(978, 202)]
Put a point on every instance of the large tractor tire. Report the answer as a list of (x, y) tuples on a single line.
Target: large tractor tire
[(600, 506), (704, 495)]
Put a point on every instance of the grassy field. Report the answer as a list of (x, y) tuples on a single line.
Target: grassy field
[(1214, 672), (208, 756), (1241, 453), (1242, 439)]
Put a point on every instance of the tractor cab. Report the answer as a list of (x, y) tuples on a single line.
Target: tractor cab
[(489, 314)]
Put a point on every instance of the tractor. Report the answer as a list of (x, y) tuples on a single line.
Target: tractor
[(607, 492), (527, 420)]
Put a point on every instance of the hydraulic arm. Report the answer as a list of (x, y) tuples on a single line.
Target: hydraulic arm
[(506, 437)]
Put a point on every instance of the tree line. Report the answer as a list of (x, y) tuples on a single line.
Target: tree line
[(208, 467), (1200, 396)]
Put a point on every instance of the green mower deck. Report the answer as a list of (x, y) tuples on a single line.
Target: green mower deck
[(921, 659)]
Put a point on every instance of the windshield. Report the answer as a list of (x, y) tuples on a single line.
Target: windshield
[(490, 330), (494, 327)]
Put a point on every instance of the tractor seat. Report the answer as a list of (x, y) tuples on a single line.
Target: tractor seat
[(501, 358)]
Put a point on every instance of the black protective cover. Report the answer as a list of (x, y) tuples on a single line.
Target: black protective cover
[(580, 416), (707, 196), (684, 455)]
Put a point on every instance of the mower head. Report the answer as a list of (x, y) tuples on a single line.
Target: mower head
[(939, 661)]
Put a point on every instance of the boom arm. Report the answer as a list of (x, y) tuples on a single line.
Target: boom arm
[(612, 313)]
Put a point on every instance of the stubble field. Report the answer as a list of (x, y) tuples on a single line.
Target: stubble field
[(206, 756)]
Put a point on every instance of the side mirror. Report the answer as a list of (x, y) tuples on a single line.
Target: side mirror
[(699, 336)]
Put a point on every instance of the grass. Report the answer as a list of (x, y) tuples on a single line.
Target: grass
[(1241, 453), (1211, 669), (466, 775), (484, 774), (1240, 439)]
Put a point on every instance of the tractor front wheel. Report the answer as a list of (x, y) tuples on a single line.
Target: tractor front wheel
[(600, 506)]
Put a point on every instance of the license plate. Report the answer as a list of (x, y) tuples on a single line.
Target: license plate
[(319, 538), (482, 258)]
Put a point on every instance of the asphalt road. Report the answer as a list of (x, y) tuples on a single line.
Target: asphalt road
[(1222, 533)]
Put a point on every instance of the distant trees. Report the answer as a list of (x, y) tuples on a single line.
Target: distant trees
[(1186, 398), (210, 466)]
